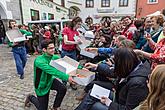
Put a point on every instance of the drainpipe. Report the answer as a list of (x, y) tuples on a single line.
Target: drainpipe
[(20, 4), (136, 8)]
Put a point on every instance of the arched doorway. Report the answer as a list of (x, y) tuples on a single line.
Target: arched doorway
[(73, 11), (2, 12), (2, 27)]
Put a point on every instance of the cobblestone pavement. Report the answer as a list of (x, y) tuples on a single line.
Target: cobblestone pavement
[(13, 90)]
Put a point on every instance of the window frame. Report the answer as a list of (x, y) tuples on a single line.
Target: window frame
[(32, 16), (89, 1), (122, 1), (149, 2), (105, 2)]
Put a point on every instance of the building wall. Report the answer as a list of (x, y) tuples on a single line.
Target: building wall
[(42, 8), (10, 9), (113, 10), (143, 8)]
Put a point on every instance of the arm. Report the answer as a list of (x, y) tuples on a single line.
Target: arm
[(151, 43), (26, 33), (143, 53), (105, 50), (136, 94), (50, 70), (66, 41), (158, 58)]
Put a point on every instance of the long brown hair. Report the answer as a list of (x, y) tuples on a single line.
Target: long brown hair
[(125, 62), (155, 99)]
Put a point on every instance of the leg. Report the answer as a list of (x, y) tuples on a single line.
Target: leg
[(43, 102), (99, 106), (23, 56), (33, 100), (18, 61), (40, 102), (61, 91), (87, 102)]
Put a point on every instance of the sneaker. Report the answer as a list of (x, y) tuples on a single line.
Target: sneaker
[(73, 86), (27, 101), (28, 56), (22, 76)]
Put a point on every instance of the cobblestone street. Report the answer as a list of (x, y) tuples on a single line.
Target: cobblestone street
[(13, 90)]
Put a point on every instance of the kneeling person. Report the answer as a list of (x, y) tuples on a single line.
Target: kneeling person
[(45, 79)]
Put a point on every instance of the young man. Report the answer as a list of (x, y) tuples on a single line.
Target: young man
[(45, 79), (19, 50)]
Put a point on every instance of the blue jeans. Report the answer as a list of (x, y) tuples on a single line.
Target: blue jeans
[(99, 106), (91, 103), (71, 54), (20, 57)]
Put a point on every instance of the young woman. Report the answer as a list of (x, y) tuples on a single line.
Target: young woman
[(69, 43), (155, 99), (131, 85)]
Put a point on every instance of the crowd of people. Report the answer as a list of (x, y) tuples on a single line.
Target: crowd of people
[(130, 62)]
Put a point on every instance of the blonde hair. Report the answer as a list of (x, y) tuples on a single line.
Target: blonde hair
[(155, 99)]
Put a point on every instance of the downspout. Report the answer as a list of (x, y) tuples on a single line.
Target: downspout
[(20, 4), (136, 9)]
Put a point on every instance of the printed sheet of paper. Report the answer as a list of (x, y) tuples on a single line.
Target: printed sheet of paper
[(69, 68), (98, 92)]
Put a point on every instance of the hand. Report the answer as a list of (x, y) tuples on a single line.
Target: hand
[(147, 36), (15, 43), (109, 62), (105, 100), (79, 41), (91, 49), (70, 80), (90, 65)]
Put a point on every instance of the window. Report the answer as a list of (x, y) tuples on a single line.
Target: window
[(152, 1), (105, 3), (50, 16), (123, 3), (34, 15), (89, 3)]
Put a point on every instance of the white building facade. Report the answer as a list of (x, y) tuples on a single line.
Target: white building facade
[(42, 10), (100, 8)]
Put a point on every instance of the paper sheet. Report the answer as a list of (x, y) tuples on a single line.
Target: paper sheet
[(98, 92), (69, 68)]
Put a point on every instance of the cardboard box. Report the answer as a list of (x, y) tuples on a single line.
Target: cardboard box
[(14, 35), (85, 42), (66, 65), (85, 77)]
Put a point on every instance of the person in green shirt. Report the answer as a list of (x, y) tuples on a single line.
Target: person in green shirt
[(45, 79), (19, 50)]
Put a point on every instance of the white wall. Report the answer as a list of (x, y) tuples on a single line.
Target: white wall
[(27, 5), (85, 12)]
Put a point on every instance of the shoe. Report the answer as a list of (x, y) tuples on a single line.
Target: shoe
[(22, 76), (81, 96), (27, 101), (28, 56), (73, 86)]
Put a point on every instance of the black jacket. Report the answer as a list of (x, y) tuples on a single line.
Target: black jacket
[(133, 89)]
